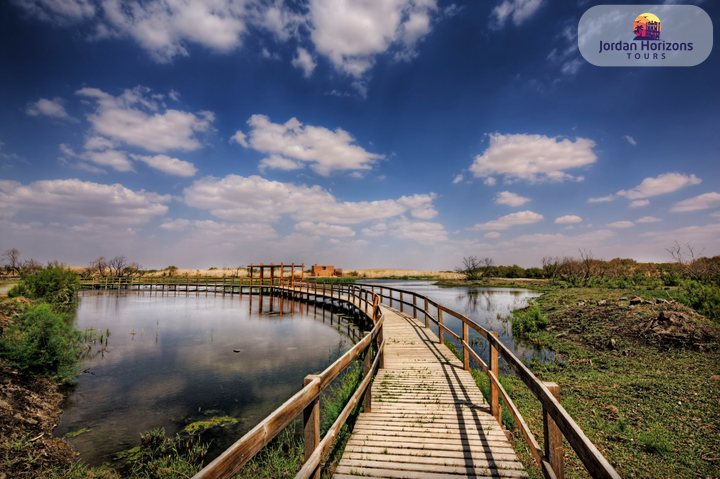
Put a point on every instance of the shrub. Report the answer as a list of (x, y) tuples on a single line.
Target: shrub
[(703, 298), (54, 284), (42, 344), (527, 321)]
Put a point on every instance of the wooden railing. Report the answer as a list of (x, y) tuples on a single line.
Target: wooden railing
[(556, 421), (221, 285), (307, 400)]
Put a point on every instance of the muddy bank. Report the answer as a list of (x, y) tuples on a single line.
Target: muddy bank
[(30, 412)]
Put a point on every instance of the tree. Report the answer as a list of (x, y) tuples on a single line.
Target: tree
[(550, 265), (99, 267), (475, 268), (694, 265), (12, 260), (30, 266), (588, 263)]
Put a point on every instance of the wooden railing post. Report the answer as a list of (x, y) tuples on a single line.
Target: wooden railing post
[(441, 331), (427, 316), (414, 306), (494, 368), (466, 342), (367, 366), (381, 350), (553, 437), (311, 417)]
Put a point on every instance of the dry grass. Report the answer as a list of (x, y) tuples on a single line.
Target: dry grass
[(400, 273), (361, 273)]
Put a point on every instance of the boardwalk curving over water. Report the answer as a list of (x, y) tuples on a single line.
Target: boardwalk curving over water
[(428, 419), (423, 414)]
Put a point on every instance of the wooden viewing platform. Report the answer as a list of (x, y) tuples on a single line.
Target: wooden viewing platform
[(423, 416)]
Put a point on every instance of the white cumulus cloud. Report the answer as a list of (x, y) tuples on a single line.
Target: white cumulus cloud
[(648, 219), (639, 203), (516, 10), (256, 199), (166, 164), (323, 229), (351, 33), (304, 61), (51, 108), (665, 183), (533, 157), (135, 118), (513, 219), (324, 150), (701, 202), (511, 199), (82, 200), (602, 199), (622, 224), (568, 219)]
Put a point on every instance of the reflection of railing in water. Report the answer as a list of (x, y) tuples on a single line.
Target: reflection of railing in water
[(279, 303)]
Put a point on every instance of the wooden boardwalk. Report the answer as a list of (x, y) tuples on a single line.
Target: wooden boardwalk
[(428, 418)]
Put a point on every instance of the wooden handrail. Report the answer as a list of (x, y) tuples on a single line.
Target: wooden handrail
[(237, 455), (590, 456)]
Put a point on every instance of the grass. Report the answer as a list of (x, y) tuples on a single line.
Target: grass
[(648, 403), (331, 279), (41, 343), (483, 383), (284, 455), (158, 457)]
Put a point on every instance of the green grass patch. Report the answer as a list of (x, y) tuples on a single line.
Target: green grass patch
[(648, 403), (41, 343)]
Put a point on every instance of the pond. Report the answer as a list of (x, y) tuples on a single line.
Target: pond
[(489, 307), (170, 361)]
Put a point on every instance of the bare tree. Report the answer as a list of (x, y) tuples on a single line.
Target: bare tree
[(30, 266), (12, 260), (550, 265), (588, 264), (570, 269), (99, 267), (693, 264), (474, 268)]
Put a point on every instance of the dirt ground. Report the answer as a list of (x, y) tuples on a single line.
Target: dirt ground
[(29, 411)]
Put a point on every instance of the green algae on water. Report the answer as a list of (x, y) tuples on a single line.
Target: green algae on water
[(77, 433), (201, 426)]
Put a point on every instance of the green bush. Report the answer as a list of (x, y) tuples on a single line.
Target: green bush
[(527, 321), (42, 344), (54, 284), (702, 297)]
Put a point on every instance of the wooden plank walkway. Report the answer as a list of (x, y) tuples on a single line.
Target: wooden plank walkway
[(428, 417)]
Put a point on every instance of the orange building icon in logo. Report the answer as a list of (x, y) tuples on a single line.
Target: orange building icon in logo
[(647, 27)]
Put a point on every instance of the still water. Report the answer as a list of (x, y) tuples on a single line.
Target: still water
[(170, 361), (488, 307)]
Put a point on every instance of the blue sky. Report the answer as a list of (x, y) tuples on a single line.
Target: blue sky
[(399, 134)]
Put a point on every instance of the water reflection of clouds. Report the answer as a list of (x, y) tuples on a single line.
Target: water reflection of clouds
[(180, 361)]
